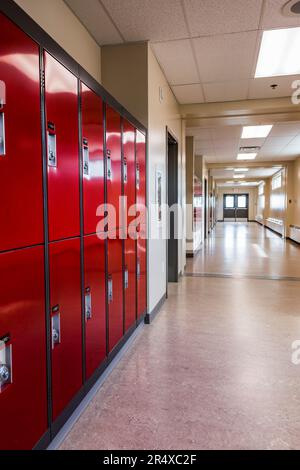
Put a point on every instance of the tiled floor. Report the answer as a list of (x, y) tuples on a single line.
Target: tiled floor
[(214, 370)]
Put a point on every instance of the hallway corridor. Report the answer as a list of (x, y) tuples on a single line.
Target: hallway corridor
[(214, 370)]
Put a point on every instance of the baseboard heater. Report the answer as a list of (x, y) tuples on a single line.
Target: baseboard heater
[(295, 233), (275, 224)]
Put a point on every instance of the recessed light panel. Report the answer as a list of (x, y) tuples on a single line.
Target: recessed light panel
[(239, 176), (241, 169), (256, 132), (246, 156), (279, 53)]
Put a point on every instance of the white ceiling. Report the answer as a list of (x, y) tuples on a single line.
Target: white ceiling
[(221, 144), (207, 48)]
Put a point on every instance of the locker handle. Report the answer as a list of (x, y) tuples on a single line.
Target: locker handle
[(51, 144), (138, 270), (137, 176), (126, 278), (2, 135), (125, 173), (88, 304), (86, 157), (110, 289), (109, 169), (5, 362), (55, 328)]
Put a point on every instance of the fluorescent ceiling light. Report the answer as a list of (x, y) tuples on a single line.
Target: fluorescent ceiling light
[(279, 53), (229, 182), (241, 169), (239, 176), (246, 156), (256, 132)]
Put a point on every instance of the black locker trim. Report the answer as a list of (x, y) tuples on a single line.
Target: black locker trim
[(80, 152), (46, 241), (122, 225), (106, 229)]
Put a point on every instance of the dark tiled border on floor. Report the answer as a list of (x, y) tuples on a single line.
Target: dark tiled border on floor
[(244, 276)]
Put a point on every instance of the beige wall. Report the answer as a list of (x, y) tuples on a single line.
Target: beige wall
[(125, 76), (296, 193), (55, 17), (162, 113)]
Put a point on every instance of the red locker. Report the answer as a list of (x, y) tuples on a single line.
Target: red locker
[(142, 273), (130, 260), (93, 170), (65, 313), (62, 149), (141, 175), (114, 164), (23, 396), (21, 193), (129, 171), (95, 302), (115, 291)]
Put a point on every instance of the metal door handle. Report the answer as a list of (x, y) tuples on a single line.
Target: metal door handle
[(88, 304), (55, 327), (2, 135), (4, 373), (110, 290), (126, 278)]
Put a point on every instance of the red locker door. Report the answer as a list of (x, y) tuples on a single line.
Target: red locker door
[(113, 162), (141, 174), (130, 260), (62, 149), (65, 288), (23, 397), (21, 193), (115, 291), (141, 274), (129, 172), (95, 304), (93, 171)]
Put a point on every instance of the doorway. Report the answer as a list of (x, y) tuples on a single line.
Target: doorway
[(236, 207), (172, 190)]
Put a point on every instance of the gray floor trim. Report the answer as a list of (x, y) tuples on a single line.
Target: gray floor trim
[(57, 441), (244, 276)]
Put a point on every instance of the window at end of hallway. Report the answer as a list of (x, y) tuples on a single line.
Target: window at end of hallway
[(277, 181)]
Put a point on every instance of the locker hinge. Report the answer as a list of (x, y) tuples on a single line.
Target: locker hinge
[(43, 80)]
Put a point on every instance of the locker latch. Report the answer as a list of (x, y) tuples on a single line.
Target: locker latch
[(138, 269), (126, 278), (2, 134), (125, 176), (86, 157), (55, 327), (109, 169), (110, 289), (51, 141), (88, 304), (5, 362), (137, 176)]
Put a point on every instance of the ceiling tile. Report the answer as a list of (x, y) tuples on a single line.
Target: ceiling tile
[(225, 16), (285, 129), (227, 132), (153, 20), (187, 94), (226, 91), (92, 14), (177, 61), (227, 57), (199, 133), (261, 87), (274, 18)]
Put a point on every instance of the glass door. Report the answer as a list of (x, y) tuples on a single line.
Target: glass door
[(236, 207)]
